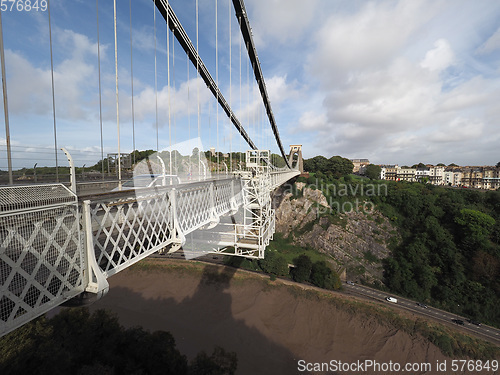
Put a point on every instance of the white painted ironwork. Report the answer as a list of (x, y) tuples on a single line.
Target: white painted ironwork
[(128, 229), (279, 178), (52, 250), (72, 173), (250, 237), (41, 262)]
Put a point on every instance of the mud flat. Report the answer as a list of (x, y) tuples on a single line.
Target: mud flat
[(270, 325)]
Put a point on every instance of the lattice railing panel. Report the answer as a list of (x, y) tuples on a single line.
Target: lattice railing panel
[(15, 198), (126, 231), (194, 207), (238, 193), (223, 194), (43, 257), (41, 262), (280, 178)]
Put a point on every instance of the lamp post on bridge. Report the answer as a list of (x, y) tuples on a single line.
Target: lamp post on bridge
[(5, 104)]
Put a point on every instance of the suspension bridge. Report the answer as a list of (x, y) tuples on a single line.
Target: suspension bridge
[(61, 241)]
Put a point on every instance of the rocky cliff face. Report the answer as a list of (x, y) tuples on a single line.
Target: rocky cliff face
[(356, 239)]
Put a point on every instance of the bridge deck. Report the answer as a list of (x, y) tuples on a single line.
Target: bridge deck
[(56, 245)]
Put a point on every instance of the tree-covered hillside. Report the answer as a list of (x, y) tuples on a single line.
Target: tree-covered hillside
[(449, 255), (336, 166)]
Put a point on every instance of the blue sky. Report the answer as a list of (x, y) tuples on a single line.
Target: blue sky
[(393, 81)]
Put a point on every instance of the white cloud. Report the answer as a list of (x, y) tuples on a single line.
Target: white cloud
[(400, 114), (395, 98), (143, 39), (279, 90), (458, 130), (3, 142), (145, 101), (312, 121), (477, 92), (440, 57), (30, 87), (78, 45), (369, 38), (394, 88), (282, 21), (393, 80), (147, 104), (492, 44)]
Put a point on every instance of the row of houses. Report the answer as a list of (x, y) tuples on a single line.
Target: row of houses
[(473, 177)]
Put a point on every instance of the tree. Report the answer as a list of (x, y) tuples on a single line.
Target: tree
[(324, 277), (424, 180), (476, 227), (75, 339), (339, 166), (302, 270), (426, 280), (449, 238), (485, 266), (419, 165), (372, 171), (140, 155), (316, 164), (278, 161), (498, 165), (336, 166), (318, 273), (274, 263), (219, 363), (332, 281)]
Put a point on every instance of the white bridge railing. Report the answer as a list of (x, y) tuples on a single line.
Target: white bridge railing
[(54, 247), (127, 229), (41, 259)]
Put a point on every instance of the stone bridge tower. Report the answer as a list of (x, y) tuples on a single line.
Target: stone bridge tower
[(295, 157)]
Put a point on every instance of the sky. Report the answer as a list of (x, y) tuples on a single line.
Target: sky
[(397, 82)]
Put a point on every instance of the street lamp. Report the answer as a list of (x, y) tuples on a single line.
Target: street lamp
[(5, 105), (34, 171)]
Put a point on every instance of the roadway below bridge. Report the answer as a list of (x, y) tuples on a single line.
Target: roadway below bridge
[(483, 332)]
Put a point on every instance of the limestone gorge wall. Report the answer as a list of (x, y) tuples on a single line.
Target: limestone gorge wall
[(356, 240)]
